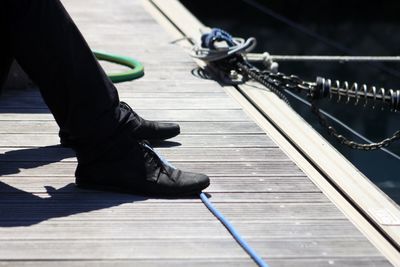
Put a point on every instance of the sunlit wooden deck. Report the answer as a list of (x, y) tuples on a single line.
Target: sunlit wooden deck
[(46, 221)]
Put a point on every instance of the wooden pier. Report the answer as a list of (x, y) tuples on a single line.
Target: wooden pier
[(46, 221)]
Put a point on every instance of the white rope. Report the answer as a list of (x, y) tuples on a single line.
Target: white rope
[(256, 57), (241, 46)]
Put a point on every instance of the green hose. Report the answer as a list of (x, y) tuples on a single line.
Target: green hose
[(136, 68)]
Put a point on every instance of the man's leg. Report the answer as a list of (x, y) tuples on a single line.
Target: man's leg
[(85, 104), (50, 48)]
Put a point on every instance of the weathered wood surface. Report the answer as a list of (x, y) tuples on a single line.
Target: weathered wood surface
[(187, 127), (174, 153), (212, 115), (238, 169), (142, 103), (197, 140), (243, 184), (215, 262), (45, 220)]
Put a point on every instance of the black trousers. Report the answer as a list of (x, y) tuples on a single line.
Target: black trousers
[(44, 40)]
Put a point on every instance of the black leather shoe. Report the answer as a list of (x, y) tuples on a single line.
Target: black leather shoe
[(152, 130), (138, 170), (147, 130)]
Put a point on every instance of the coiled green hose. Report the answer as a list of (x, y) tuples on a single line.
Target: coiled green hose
[(136, 68)]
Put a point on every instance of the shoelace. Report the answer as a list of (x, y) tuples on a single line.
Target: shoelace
[(156, 158), (125, 106)]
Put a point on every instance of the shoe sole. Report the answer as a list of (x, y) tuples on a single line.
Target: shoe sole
[(138, 192), (67, 144), (161, 138)]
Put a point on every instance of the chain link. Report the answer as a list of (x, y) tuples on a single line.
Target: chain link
[(277, 81), (344, 140), (269, 81)]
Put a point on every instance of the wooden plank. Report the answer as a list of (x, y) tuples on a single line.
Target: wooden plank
[(26, 140), (92, 230), (14, 196), (278, 211), (184, 230), (194, 86), (238, 169), (231, 184), (289, 262), (41, 209), (200, 127), (138, 103), (143, 86), (178, 153), (168, 249), (261, 184), (34, 96), (122, 249), (165, 115), (235, 154), (267, 197), (136, 262)]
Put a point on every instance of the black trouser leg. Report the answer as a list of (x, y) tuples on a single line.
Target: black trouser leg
[(49, 47)]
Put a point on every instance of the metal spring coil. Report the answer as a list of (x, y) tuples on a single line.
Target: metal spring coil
[(325, 87)]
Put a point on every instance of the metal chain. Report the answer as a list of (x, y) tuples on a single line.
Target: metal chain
[(276, 81), (344, 140), (265, 79)]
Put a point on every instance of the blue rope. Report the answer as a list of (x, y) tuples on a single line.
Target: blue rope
[(260, 262), (216, 35)]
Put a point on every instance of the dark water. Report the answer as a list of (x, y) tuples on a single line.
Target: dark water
[(365, 28)]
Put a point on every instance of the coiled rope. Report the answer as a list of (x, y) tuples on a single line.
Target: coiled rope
[(210, 51)]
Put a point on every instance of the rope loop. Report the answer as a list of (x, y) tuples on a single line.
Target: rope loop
[(209, 51), (216, 35)]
